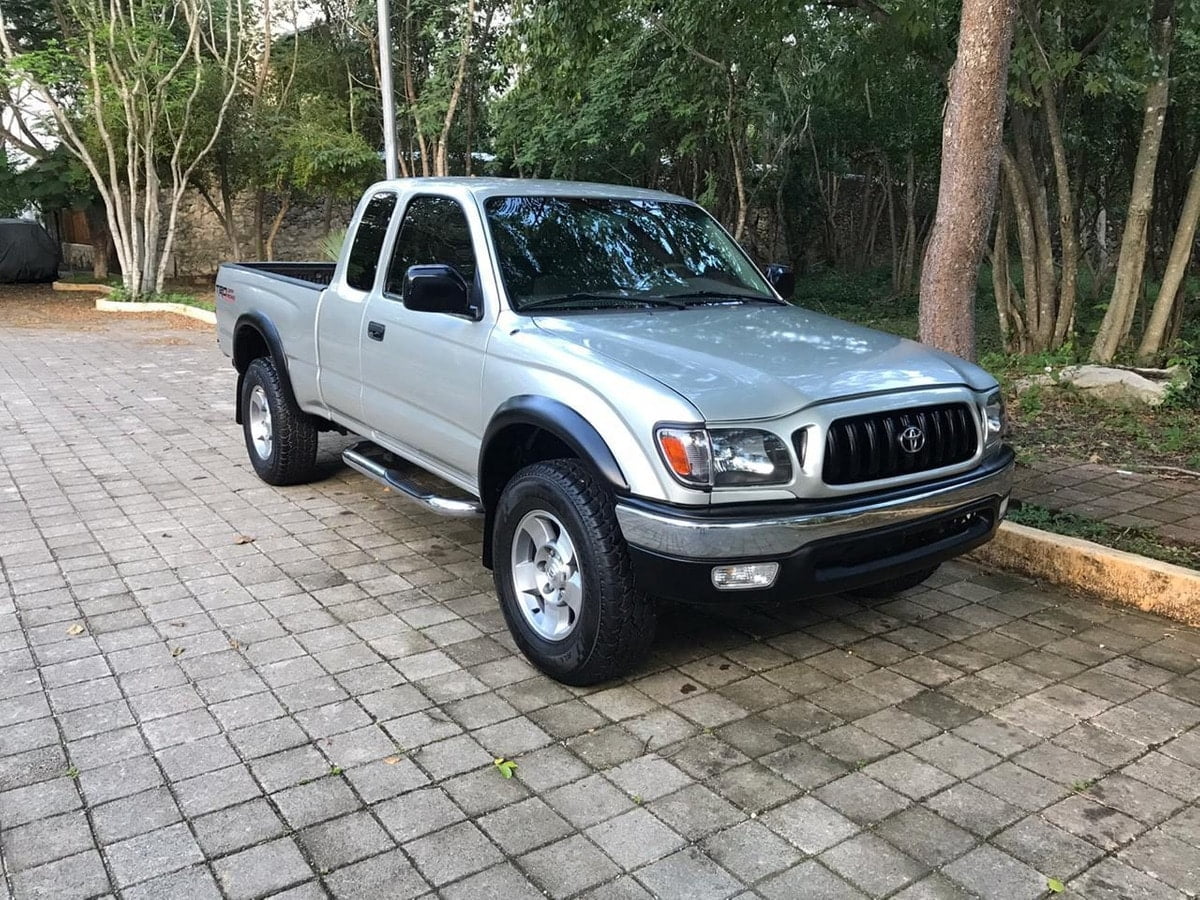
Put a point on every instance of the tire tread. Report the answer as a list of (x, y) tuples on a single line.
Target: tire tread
[(295, 436)]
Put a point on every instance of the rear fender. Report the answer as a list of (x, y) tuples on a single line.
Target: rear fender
[(252, 334)]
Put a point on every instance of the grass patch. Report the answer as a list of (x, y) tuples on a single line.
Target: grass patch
[(1132, 540), (87, 278)]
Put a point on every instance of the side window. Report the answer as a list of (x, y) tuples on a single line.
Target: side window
[(363, 261), (434, 230)]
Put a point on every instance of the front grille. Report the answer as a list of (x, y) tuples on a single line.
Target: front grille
[(869, 448)]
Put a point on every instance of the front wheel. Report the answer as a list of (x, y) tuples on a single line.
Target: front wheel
[(564, 578)]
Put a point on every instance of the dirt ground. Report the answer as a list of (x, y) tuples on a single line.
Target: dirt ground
[(40, 306), (1058, 424)]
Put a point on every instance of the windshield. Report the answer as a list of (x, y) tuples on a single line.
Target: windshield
[(593, 253)]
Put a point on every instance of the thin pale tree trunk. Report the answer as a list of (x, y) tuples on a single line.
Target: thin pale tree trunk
[(1026, 240), (971, 143), (1127, 288), (1154, 336), (1068, 235), (442, 160)]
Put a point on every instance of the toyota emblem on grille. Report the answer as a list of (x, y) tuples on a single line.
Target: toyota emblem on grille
[(912, 439)]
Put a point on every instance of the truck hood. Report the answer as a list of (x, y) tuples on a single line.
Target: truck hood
[(759, 362)]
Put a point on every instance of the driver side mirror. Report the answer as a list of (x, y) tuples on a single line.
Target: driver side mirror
[(783, 279), (438, 289)]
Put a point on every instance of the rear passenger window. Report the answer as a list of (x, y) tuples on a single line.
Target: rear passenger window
[(434, 230), (363, 261)]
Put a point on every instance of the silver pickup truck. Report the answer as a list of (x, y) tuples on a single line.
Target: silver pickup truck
[(632, 407)]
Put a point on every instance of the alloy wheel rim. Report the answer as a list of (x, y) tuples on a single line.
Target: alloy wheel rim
[(259, 417), (546, 575)]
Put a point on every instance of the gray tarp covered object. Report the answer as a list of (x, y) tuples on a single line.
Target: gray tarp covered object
[(27, 252)]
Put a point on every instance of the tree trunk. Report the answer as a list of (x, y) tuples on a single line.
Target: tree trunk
[(260, 200), (410, 92), (1128, 284), (971, 138), (1035, 186), (1154, 337), (284, 203), (442, 159), (908, 260), (1026, 241), (1068, 236)]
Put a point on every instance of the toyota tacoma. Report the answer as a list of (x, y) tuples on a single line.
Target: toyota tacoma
[(630, 405)]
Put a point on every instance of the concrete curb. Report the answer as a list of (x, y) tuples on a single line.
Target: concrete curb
[(1109, 574), (182, 309), (82, 287)]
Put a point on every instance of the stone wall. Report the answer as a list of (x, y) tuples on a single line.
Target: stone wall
[(201, 245)]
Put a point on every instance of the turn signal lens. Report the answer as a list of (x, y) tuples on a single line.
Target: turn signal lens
[(687, 453)]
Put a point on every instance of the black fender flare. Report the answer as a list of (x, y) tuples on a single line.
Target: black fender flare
[(257, 322), (557, 419), (561, 421)]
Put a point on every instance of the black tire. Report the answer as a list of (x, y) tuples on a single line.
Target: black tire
[(292, 458), (615, 624), (893, 586)]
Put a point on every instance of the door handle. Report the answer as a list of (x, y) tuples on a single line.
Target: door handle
[(375, 330)]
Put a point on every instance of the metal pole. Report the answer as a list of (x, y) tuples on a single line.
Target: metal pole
[(385, 87)]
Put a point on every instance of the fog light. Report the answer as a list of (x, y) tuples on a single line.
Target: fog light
[(745, 577)]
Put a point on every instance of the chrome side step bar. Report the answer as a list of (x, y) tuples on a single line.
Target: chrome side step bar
[(373, 461)]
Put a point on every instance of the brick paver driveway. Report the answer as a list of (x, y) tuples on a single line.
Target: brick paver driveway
[(189, 713)]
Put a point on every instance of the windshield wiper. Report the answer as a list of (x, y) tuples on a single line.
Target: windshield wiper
[(598, 300), (725, 296)]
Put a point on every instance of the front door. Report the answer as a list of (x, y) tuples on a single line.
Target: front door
[(340, 316), (422, 371)]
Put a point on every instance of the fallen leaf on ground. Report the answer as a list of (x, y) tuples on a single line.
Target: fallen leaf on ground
[(75, 629), (392, 760), (177, 651), (506, 766), (243, 539)]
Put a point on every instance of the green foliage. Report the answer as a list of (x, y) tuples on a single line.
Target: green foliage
[(331, 244), (1132, 540), (506, 767), (57, 181)]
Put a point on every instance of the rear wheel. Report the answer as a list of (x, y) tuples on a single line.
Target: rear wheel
[(281, 439), (894, 586), (563, 574)]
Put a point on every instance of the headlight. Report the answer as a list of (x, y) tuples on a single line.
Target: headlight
[(996, 419), (725, 457)]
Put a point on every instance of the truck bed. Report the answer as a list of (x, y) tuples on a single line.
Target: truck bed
[(307, 274)]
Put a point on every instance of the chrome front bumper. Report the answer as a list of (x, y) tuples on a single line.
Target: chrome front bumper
[(706, 535)]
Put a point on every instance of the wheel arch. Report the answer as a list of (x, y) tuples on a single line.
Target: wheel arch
[(255, 336), (530, 428)]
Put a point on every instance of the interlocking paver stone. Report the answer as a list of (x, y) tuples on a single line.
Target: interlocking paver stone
[(262, 869), (452, 852), (345, 840), (296, 707), (237, 827), (389, 874), (128, 816), (152, 854)]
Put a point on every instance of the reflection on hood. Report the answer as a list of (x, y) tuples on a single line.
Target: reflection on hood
[(757, 362)]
